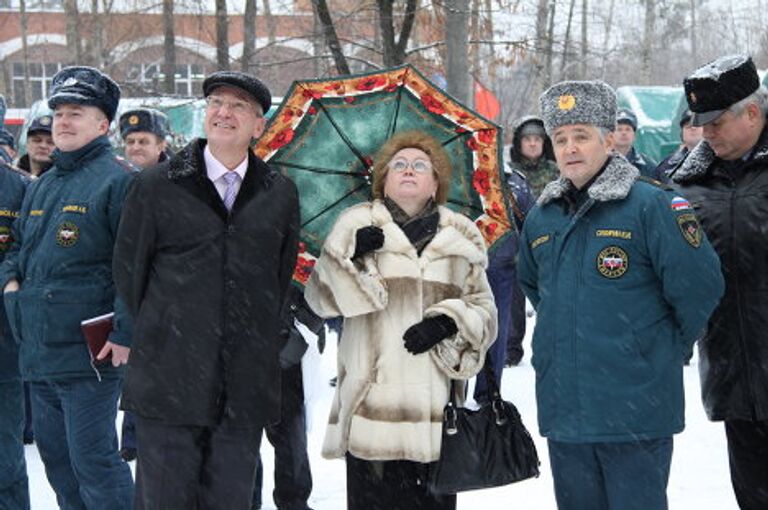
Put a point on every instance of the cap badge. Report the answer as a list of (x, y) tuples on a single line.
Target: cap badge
[(46, 120), (566, 102), (133, 120), (69, 82), (692, 97)]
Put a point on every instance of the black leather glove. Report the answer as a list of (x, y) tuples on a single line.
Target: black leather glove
[(368, 239), (423, 335)]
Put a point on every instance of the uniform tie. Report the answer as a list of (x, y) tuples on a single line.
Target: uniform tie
[(232, 179)]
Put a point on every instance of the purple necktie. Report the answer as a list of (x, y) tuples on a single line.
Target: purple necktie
[(230, 193)]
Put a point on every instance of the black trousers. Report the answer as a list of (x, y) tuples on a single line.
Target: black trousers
[(293, 478), (194, 468), (748, 458), (391, 485)]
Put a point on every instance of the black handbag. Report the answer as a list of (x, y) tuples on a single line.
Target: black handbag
[(483, 448)]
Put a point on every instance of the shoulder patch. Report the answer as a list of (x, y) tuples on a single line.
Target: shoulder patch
[(690, 228), (654, 182), (680, 204)]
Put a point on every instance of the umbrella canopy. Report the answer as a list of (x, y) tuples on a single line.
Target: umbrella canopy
[(325, 133)]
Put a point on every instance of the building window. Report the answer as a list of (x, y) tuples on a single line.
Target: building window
[(146, 76), (40, 76), (189, 79)]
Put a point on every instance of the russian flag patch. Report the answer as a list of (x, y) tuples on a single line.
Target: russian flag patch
[(680, 204)]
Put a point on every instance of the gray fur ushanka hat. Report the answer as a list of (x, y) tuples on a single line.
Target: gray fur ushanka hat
[(578, 102)]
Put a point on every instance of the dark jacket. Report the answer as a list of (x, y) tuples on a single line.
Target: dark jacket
[(62, 257), (12, 186), (731, 201), (538, 173), (623, 285), (206, 288), (669, 163), (642, 162), (25, 165)]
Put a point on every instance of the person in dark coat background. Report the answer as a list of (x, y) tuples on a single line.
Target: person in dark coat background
[(14, 492), (58, 273), (690, 135), (624, 136), (40, 146), (143, 130), (205, 254), (726, 179)]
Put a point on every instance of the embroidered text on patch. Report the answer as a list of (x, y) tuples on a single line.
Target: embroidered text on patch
[(36, 212), (7, 213), (539, 241), (75, 208), (619, 234)]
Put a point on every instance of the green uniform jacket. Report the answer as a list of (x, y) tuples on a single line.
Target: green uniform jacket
[(12, 185), (623, 286), (62, 257)]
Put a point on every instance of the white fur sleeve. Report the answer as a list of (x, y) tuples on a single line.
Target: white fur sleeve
[(463, 355)]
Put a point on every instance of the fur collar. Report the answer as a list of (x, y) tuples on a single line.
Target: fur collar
[(456, 235), (613, 184), (698, 161)]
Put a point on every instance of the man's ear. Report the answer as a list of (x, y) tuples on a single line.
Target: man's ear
[(609, 142)]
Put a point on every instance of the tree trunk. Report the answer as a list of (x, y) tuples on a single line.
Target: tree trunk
[(474, 33), (539, 49), (550, 41), (607, 37), (24, 52), (694, 43), (393, 51), (488, 29), (222, 36), (648, 37), (95, 43), (331, 39), (456, 45), (271, 24), (567, 64), (249, 34), (74, 47), (584, 41), (169, 48)]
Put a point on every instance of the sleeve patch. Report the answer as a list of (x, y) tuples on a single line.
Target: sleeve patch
[(690, 228), (680, 204)]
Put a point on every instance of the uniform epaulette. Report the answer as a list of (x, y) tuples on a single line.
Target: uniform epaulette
[(128, 167), (654, 182)]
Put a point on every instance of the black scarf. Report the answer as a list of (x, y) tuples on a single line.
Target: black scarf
[(420, 228)]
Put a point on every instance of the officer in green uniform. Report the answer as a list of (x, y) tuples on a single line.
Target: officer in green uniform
[(623, 281), (58, 273)]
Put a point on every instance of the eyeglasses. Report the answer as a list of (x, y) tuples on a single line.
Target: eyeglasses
[(237, 107), (419, 166)]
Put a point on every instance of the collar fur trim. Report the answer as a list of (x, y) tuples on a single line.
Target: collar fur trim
[(613, 184)]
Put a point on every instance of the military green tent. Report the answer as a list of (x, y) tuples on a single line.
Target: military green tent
[(658, 112)]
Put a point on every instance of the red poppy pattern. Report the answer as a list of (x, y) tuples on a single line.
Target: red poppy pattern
[(484, 141)]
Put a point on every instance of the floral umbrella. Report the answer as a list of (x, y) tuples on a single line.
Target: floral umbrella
[(325, 132)]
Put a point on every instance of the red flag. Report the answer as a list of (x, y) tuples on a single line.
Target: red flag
[(486, 103)]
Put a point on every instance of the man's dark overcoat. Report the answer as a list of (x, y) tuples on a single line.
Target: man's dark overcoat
[(206, 289)]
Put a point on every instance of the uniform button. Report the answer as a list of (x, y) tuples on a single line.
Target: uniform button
[(230, 229), (231, 284)]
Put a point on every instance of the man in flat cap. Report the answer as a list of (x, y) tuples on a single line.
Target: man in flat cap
[(623, 280), (204, 257), (39, 146), (143, 131), (624, 142), (726, 178), (58, 274)]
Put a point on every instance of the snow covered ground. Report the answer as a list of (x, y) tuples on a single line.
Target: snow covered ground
[(699, 478)]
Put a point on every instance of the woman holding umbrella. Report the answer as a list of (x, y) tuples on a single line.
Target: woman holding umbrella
[(408, 276)]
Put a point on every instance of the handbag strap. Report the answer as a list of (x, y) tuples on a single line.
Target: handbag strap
[(490, 381)]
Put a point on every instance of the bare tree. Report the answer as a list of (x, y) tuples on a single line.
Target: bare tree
[(271, 24), (648, 38), (331, 38), (567, 65), (72, 16), (584, 40), (169, 48), (694, 45), (550, 43), (249, 34), (457, 42), (24, 50), (607, 37), (394, 49), (222, 35)]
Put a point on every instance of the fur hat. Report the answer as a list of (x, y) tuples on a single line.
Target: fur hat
[(7, 138), (85, 86), (41, 124), (144, 120), (713, 88), (578, 102)]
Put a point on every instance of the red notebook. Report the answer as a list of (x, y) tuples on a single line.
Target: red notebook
[(96, 332)]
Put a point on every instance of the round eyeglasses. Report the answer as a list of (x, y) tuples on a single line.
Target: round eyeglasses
[(400, 165)]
